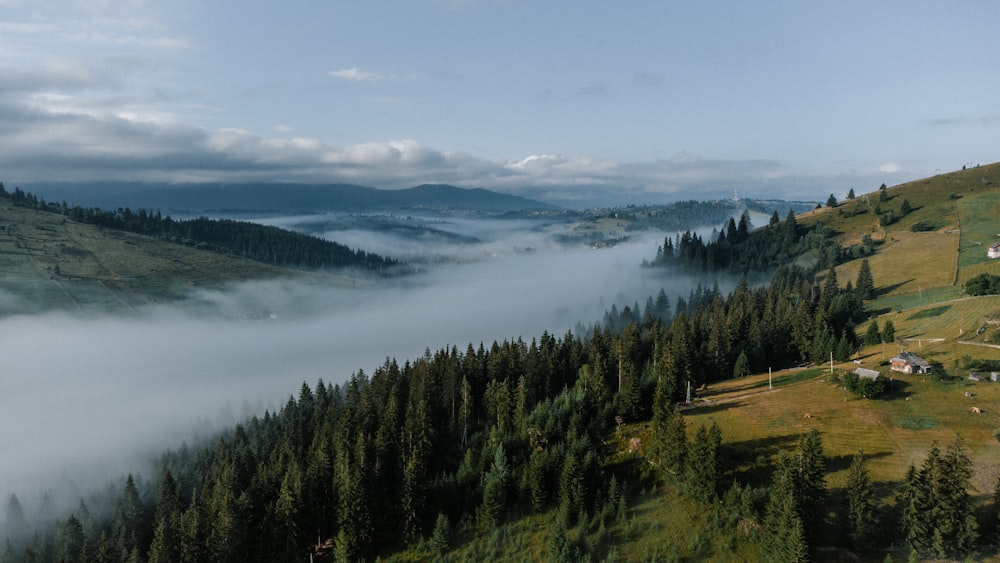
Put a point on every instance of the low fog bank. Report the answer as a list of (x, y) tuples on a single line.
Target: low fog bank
[(416, 238), (85, 400)]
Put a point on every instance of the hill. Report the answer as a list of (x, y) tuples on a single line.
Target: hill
[(279, 198), (50, 262)]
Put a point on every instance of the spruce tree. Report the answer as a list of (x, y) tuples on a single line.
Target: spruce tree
[(873, 335), (702, 466), (862, 510), (669, 446), (742, 365), (888, 332), (441, 536), (936, 509), (784, 535), (808, 466), (866, 284)]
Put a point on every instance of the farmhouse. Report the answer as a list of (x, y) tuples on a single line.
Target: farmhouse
[(908, 362), (994, 250)]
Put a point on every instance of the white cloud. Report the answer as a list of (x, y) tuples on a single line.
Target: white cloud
[(890, 168), (354, 74)]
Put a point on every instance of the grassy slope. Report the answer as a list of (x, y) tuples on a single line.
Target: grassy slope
[(103, 270)]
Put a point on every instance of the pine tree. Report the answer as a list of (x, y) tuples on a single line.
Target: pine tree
[(742, 365), (669, 446), (866, 284), (441, 536), (862, 510), (873, 335), (785, 538), (888, 332), (937, 517), (495, 490), (702, 467), (72, 542), (808, 466)]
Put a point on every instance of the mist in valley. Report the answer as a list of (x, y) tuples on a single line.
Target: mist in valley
[(87, 400)]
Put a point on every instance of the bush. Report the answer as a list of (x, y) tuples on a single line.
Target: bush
[(868, 388), (983, 284)]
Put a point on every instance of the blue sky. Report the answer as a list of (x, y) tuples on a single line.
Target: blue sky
[(644, 101)]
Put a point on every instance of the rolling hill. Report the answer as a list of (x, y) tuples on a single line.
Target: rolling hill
[(279, 198), (49, 262)]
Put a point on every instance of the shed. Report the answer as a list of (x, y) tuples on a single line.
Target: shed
[(867, 373)]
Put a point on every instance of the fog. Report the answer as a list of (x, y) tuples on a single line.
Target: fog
[(84, 400)]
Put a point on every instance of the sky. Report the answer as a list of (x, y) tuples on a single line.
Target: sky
[(641, 100)]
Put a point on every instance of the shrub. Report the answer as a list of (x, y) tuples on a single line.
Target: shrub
[(983, 284), (868, 388)]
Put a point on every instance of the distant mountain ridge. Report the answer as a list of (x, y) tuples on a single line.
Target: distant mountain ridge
[(278, 197)]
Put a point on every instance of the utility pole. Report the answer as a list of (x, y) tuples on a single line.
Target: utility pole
[(769, 385)]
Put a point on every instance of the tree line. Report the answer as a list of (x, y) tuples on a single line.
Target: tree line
[(267, 244), (739, 249)]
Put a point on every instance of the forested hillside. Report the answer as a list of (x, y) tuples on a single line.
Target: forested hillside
[(270, 245)]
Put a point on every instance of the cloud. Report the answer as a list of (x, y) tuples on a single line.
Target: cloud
[(354, 74), (890, 168), (987, 119)]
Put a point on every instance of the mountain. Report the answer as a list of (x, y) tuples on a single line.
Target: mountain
[(278, 197)]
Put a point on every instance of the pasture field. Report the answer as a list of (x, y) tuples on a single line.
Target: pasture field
[(980, 226), (759, 424)]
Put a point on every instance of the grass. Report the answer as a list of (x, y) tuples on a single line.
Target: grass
[(894, 432), (788, 378), (979, 227), (48, 262)]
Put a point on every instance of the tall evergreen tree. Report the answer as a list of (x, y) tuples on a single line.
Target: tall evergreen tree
[(888, 332), (862, 509), (808, 468), (785, 537), (873, 335), (668, 449), (495, 489), (702, 466), (866, 284), (937, 514)]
